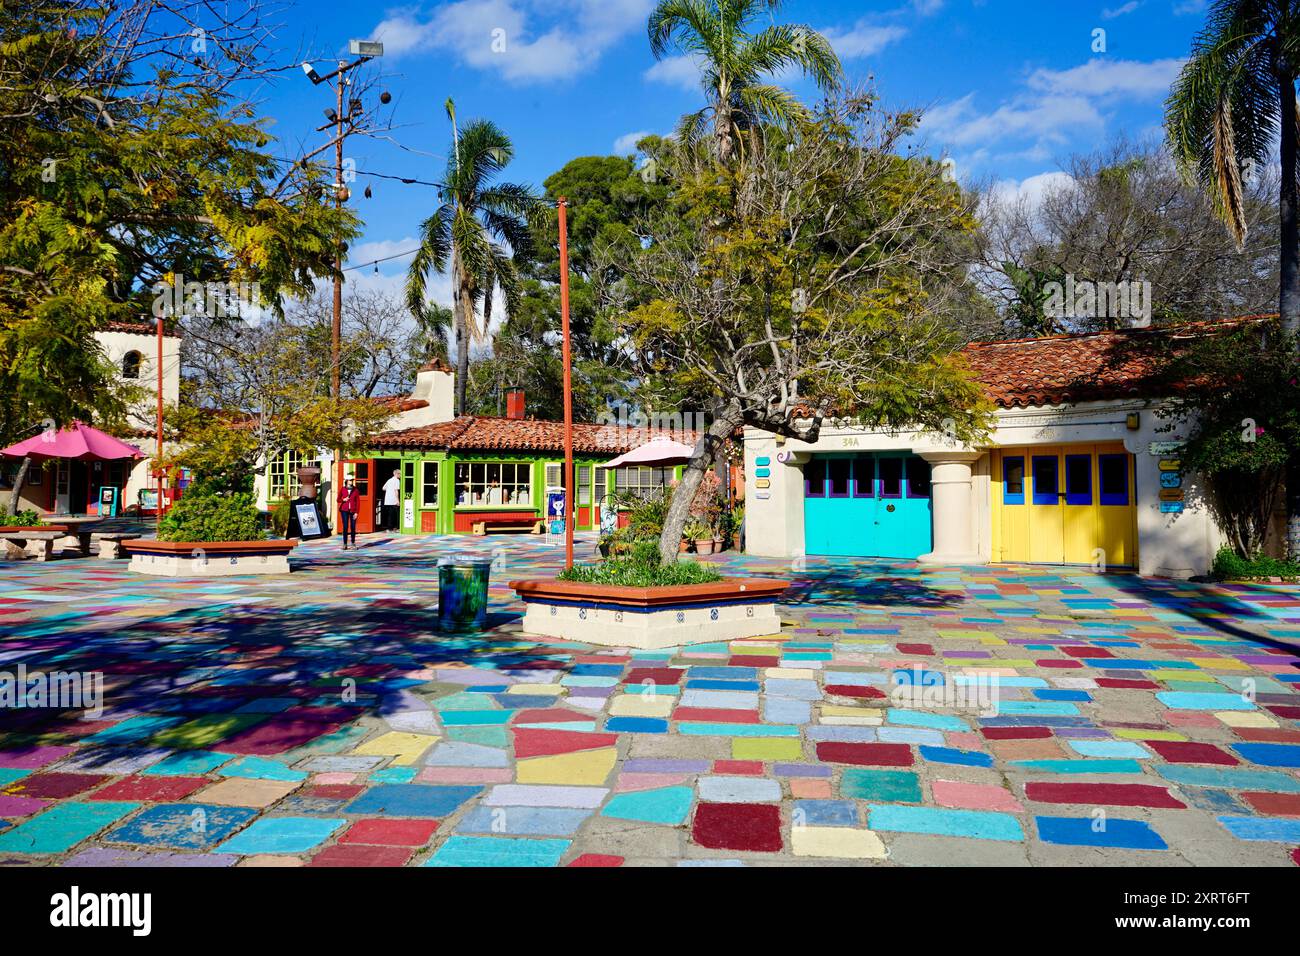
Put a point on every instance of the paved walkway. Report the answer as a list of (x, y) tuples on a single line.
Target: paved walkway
[(320, 719)]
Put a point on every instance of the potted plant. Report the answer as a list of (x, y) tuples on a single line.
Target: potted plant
[(637, 602), (701, 534), (210, 534)]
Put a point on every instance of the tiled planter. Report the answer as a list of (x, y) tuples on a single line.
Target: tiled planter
[(180, 559), (650, 618)]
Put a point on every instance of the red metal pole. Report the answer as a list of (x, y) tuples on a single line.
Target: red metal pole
[(159, 427), (562, 206)]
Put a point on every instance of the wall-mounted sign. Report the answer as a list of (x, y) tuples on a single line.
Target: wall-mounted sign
[(1171, 507), (1165, 447), (762, 483), (1170, 479), (1171, 494), (408, 513), (764, 460), (762, 495), (762, 472), (1171, 464)]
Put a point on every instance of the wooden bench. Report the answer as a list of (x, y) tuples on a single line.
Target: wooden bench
[(30, 544), (507, 524), (110, 543)]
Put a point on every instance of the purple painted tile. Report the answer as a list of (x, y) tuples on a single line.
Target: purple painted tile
[(33, 758)]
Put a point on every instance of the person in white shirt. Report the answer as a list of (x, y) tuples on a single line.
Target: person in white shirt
[(392, 487)]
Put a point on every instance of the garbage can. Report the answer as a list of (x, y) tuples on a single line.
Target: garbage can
[(463, 592)]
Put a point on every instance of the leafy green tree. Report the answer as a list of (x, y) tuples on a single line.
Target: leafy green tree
[(469, 231), (808, 281), (127, 160), (735, 57), (1237, 93)]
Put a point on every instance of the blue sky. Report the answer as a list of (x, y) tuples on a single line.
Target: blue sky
[(1010, 87)]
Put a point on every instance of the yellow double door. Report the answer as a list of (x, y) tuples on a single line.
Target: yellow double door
[(1067, 504)]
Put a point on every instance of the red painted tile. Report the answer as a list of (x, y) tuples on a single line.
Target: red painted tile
[(753, 660), (866, 755), (738, 826), (1058, 664), (549, 715), (744, 767), (55, 786), (1126, 683), (923, 650), (855, 690), (1087, 652), (1016, 733), (547, 743), (716, 715), (1275, 804), (1295, 856), (1290, 712), (334, 791), (150, 789), (1270, 735), (390, 832), (654, 675), (278, 735), (597, 859), (1186, 751), (357, 855), (1110, 794)]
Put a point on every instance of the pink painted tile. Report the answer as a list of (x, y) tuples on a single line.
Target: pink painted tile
[(965, 740), (465, 775), (973, 796), (809, 789), (1187, 719), (21, 806), (628, 782), (333, 777), (32, 758)]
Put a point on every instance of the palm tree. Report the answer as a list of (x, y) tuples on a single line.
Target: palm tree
[(475, 220), (735, 58), (1235, 94), (1227, 107)]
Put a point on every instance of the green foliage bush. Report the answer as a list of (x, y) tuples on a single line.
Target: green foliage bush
[(205, 518), (628, 572), (1228, 566), (23, 519)]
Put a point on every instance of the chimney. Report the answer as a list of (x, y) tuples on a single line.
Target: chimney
[(436, 384), (515, 403)]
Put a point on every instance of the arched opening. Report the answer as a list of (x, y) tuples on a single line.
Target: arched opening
[(131, 365)]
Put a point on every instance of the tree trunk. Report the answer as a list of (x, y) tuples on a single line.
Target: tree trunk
[(1289, 300), (705, 454), (19, 480), (464, 301)]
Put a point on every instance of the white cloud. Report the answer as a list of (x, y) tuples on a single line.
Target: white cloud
[(1032, 190), (863, 39), (1110, 13), (368, 252), (522, 40), (682, 72), (1190, 7), (1101, 77), (960, 124), (927, 7), (625, 145)]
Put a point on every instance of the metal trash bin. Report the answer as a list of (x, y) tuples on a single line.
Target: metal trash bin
[(463, 592)]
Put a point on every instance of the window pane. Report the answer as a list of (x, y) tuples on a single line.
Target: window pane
[(429, 485), (918, 478), (839, 473), (891, 477), (584, 484), (1045, 480), (864, 477), (814, 478), (1078, 479), (1015, 476), (1113, 479)]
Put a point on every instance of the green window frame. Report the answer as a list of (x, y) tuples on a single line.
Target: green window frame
[(282, 475), (429, 484), (494, 484)]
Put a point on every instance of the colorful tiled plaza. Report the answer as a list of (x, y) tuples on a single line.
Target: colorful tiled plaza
[(320, 719)]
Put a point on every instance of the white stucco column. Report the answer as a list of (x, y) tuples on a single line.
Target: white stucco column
[(951, 504)]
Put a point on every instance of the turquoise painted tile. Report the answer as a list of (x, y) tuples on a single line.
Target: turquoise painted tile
[(282, 835), (9, 775), (63, 826), (1109, 748), (1230, 778), (976, 824), (1037, 708), (668, 805), (499, 851), (1079, 766), (1183, 700), (262, 768), (737, 730), (188, 763), (1271, 829), (476, 718)]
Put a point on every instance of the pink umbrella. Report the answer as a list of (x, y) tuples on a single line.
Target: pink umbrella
[(657, 451), (80, 442)]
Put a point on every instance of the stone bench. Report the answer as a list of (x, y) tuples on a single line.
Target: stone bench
[(34, 544), (532, 526), (110, 543)]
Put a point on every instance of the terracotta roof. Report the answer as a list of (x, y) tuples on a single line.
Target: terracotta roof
[(481, 433), (140, 328), (1060, 369), (399, 403)]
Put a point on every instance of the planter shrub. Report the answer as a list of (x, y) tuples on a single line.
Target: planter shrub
[(23, 519), (1230, 566), (207, 518), (629, 572)]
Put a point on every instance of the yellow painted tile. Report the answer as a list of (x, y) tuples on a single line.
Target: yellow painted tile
[(642, 705), (790, 673), (853, 721), (1219, 664), (836, 843), (1128, 733), (1245, 718), (537, 690), (406, 748), (1182, 675), (588, 768), (1002, 665), (758, 650)]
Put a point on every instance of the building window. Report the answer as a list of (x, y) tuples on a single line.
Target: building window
[(131, 365), (584, 484), (814, 478), (1113, 479), (1078, 479), (282, 475), (891, 477), (641, 480), (840, 472), (1013, 481), (1047, 483), (429, 484), (864, 477), (494, 483), (918, 478)]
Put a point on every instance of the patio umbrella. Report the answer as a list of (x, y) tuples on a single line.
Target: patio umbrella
[(80, 442), (657, 451)]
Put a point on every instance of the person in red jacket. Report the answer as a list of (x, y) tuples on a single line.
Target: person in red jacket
[(349, 505)]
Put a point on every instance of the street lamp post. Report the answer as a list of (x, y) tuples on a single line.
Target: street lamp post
[(364, 50), (562, 208)]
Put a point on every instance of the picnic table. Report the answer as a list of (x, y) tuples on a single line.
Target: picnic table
[(38, 542)]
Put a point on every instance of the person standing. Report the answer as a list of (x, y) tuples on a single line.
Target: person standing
[(349, 505), (392, 487)]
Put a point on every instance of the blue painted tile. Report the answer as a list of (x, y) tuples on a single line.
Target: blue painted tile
[(1183, 700), (824, 813), (1109, 748), (1230, 778), (182, 826), (498, 851), (636, 725), (959, 758), (1082, 831), (262, 768), (282, 835), (1270, 755), (411, 800), (1271, 829), (524, 821)]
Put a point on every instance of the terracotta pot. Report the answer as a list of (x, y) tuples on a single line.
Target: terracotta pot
[(683, 547), (703, 545)]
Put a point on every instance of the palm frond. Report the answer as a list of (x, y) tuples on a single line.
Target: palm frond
[(1227, 173), (435, 247)]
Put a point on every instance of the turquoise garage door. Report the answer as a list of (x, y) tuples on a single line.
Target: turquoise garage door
[(867, 505)]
